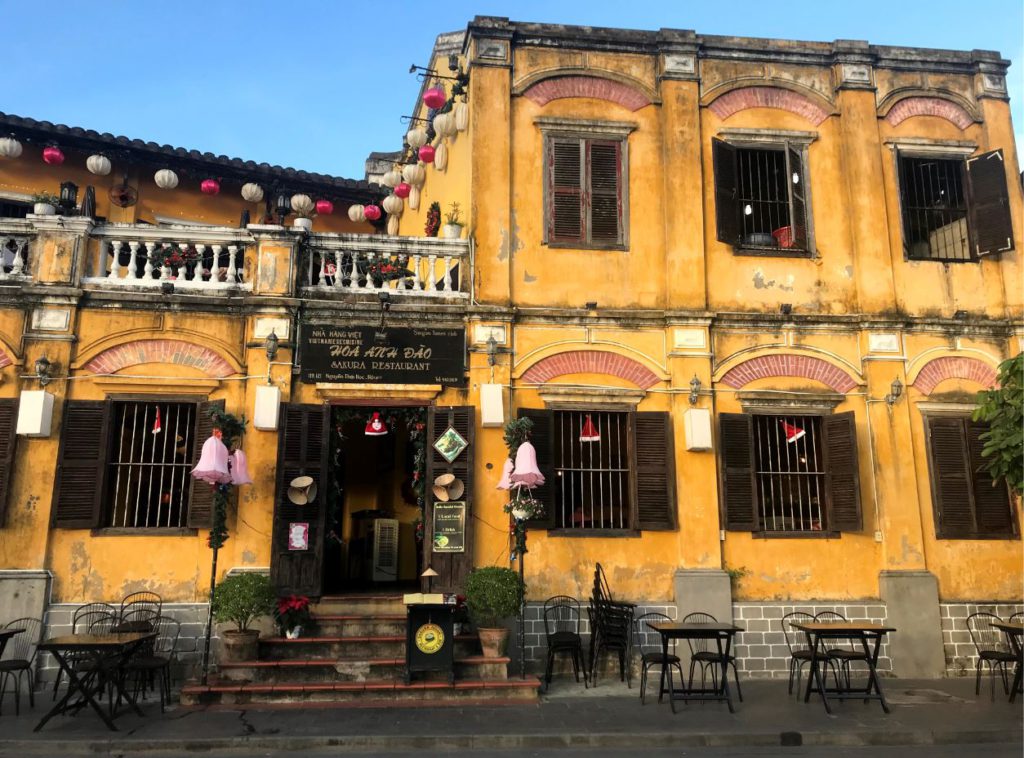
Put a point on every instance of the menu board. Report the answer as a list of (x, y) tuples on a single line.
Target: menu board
[(449, 527)]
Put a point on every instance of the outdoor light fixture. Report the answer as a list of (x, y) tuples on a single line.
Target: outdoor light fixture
[(283, 206), (429, 574), (694, 390), (895, 391), (43, 368), (492, 349), (961, 315), (591, 305), (68, 194), (786, 309), (271, 344), (380, 337), (167, 288)]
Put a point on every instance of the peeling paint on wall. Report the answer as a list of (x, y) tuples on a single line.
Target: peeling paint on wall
[(510, 241)]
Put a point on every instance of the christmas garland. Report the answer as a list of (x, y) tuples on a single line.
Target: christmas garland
[(231, 428)]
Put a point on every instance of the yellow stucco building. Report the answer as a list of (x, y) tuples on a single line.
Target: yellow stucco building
[(771, 275)]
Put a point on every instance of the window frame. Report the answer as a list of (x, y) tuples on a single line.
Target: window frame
[(943, 154)]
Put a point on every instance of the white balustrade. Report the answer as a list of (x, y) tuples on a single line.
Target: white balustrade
[(13, 257)]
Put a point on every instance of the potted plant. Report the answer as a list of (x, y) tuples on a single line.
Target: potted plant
[(240, 600), (453, 223), (493, 594), (292, 615), (45, 204)]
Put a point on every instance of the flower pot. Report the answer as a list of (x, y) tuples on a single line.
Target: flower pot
[(493, 642), (240, 646), (303, 224), (452, 231), (520, 514), (294, 633), (44, 209)]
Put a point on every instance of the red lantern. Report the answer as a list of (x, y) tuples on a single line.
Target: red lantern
[(53, 155), (402, 189), (372, 212), (434, 98), (210, 186), (427, 153), (324, 207)]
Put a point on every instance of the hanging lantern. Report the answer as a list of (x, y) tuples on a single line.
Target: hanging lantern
[(355, 213), (371, 212), (461, 111), (391, 178), (526, 471), (416, 138), (434, 97), (252, 192), (444, 125), (589, 433), (213, 462), (302, 204), (165, 179), (426, 153), (324, 207), (209, 186), (239, 468), (393, 205), (506, 471), (793, 433), (402, 189), (98, 164), (375, 427), (53, 155), (414, 174), (441, 156), (11, 148)]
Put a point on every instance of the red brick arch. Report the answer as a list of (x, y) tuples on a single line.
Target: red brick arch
[(558, 87), (929, 106), (788, 364), (590, 362), (768, 97), (950, 367), (177, 352)]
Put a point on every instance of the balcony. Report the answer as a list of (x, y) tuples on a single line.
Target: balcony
[(15, 235)]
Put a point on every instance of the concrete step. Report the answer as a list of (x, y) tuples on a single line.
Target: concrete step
[(352, 669), (364, 605), (352, 647), (346, 625)]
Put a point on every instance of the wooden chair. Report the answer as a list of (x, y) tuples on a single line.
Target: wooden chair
[(19, 660)]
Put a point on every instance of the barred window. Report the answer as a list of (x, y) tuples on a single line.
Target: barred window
[(934, 200), (593, 477), (790, 472)]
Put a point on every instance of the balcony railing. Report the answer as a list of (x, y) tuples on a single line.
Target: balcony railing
[(15, 236)]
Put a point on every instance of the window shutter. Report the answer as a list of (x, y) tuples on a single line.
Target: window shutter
[(992, 511), (604, 160), (8, 439), (991, 227), (797, 196), (654, 468), (736, 445), (81, 464), (565, 190), (543, 438), (842, 472), (200, 498), (951, 484), (727, 207)]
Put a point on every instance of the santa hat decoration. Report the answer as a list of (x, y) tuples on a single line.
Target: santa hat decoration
[(589, 432), (793, 433), (375, 426), (157, 426)]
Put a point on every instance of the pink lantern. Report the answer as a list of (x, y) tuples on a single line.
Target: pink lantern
[(427, 153), (402, 189), (213, 463), (506, 472), (434, 98), (526, 472), (324, 207), (210, 186), (240, 468), (53, 155), (371, 212)]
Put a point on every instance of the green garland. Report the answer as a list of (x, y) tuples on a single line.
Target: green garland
[(231, 428)]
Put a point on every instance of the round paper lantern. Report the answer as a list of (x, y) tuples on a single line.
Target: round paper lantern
[(355, 213), (210, 186), (434, 97), (98, 164), (393, 205), (391, 178), (444, 125), (302, 204), (402, 189), (441, 156), (426, 153), (414, 174), (461, 111), (371, 212), (165, 179), (252, 192), (324, 207), (416, 138), (53, 155), (11, 148)]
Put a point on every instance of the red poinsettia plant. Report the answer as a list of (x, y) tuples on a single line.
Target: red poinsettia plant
[(292, 611)]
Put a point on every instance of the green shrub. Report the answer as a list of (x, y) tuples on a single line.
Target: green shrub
[(243, 598), (493, 594)]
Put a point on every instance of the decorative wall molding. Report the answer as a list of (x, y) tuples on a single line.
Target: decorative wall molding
[(176, 352), (953, 367), (791, 365), (590, 362), (745, 98), (596, 87), (5, 359), (929, 106)]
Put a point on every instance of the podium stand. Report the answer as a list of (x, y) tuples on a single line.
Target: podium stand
[(429, 640)]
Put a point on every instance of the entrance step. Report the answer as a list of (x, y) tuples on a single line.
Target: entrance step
[(343, 625), (351, 647), (471, 668), (364, 605)]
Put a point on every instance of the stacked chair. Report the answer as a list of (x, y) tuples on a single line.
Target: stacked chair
[(611, 628)]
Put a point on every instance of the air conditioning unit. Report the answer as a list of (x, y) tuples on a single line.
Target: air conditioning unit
[(385, 550)]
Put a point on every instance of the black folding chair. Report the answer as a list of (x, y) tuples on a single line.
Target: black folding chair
[(840, 657), (648, 642), (81, 622), (991, 650), (798, 656), (149, 665), (701, 654), (562, 618), (141, 602), (19, 660)]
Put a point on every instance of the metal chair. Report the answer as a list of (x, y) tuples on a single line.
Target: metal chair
[(798, 656), (990, 647), (137, 601), (648, 642), (1017, 617), (611, 630), (562, 618), (701, 653), (81, 623), (843, 656), (19, 660), (145, 667)]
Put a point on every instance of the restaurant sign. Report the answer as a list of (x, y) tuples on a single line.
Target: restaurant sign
[(409, 355), (450, 527)]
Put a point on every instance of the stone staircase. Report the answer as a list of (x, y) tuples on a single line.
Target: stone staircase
[(357, 657)]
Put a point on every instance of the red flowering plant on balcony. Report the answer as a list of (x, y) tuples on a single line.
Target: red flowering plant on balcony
[(292, 612), (389, 269), (177, 259)]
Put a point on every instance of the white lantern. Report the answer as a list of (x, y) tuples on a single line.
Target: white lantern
[(394, 205), (416, 138), (9, 147), (441, 156), (252, 193), (461, 111), (414, 174), (391, 178), (444, 125), (98, 164), (165, 179), (302, 204), (355, 213)]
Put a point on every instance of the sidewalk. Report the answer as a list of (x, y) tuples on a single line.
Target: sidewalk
[(923, 712)]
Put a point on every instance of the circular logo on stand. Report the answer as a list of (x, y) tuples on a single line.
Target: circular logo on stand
[(429, 638)]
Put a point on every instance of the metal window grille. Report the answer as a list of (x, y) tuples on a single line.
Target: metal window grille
[(790, 474), (148, 474), (763, 195), (934, 207), (592, 490)]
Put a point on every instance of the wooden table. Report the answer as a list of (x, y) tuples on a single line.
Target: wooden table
[(109, 653), (1015, 632), (860, 631), (722, 634)]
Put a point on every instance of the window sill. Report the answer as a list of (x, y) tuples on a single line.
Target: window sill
[(941, 260), (1009, 537), (144, 531), (593, 532), (772, 252), (813, 535), (611, 247)]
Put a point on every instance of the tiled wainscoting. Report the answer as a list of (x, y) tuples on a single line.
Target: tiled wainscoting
[(961, 656)]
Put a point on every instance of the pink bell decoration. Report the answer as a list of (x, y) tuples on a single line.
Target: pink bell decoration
[(589, 432), (434, 98), (427, 153), (210, 187), (213, 463), (375, 426), (506, 472), (240, 468), (526, 470), (402, 189), (324, 207), (371, 212), (53, 155)]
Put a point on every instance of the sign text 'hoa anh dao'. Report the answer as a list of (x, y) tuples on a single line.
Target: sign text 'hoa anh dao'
[(411, 355)]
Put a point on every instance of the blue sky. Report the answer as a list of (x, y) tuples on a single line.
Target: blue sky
[(318, 85)]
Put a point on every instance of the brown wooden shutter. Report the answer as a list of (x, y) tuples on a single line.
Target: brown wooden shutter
[(604, 164), (727, 207), (200, 498), (736, 450), (81, 464), (842, 472), (543, 438), (302, 450), (990, 225), (655, 471), (565, 190), (992, 511), (951, 481), (8, 440), (797, 196)]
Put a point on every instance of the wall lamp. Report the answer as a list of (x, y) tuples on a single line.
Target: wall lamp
[(68, 195), (694, 389), (271, 345), (380, 337), (895, 391), (43, 368)]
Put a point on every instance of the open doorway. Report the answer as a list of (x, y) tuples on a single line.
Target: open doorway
[(376, 476)]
